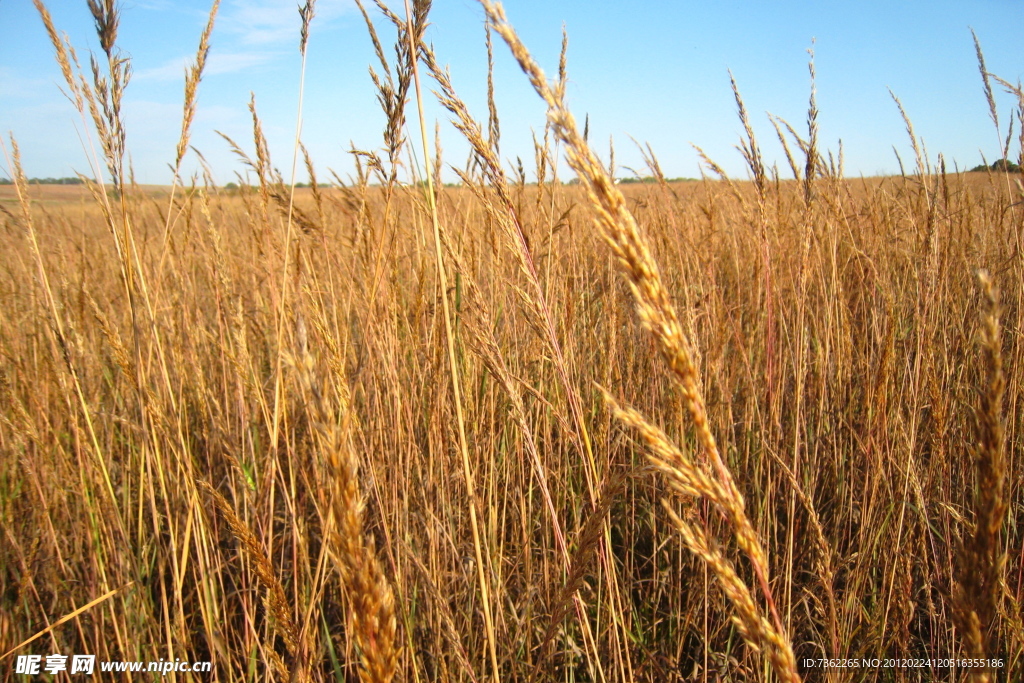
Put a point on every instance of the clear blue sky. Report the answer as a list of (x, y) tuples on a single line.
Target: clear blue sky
[(656, 71)]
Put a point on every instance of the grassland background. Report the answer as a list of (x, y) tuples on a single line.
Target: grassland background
[(837, 325)]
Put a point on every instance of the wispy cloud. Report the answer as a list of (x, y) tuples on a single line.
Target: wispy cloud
[(16, 87), (247, 35), (232, 62), (172, 70), (155, 5), (218, 63), (275, 22), (151, 120)]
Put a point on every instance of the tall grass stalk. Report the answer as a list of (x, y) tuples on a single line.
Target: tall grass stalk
[(415, 17)]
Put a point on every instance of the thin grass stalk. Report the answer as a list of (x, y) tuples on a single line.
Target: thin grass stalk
[(487, 347), (658, 315), (62, 345), (107, 97), (193, 75), (415, 36), (306, 13), (535, 301)]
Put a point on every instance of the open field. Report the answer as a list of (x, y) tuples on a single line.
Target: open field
[(700, 431)]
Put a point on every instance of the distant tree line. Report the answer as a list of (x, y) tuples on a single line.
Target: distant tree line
[(46, 181), (629, 180), (649, 179), (234, 186), (1004, 165)]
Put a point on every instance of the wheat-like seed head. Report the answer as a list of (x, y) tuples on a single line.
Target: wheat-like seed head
[(372, 602), (981, 558), (274, 599), (657, 314), (192, 77)]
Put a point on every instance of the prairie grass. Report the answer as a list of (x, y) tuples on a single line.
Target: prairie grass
[(387, 430)]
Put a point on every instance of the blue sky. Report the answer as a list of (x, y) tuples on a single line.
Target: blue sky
[(656, 71)]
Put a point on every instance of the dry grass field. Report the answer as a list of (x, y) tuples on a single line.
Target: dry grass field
[(700, 431)]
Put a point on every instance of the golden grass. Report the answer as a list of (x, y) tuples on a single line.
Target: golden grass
[(394, 443)]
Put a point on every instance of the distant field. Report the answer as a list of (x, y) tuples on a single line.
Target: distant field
[(55, 194)]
